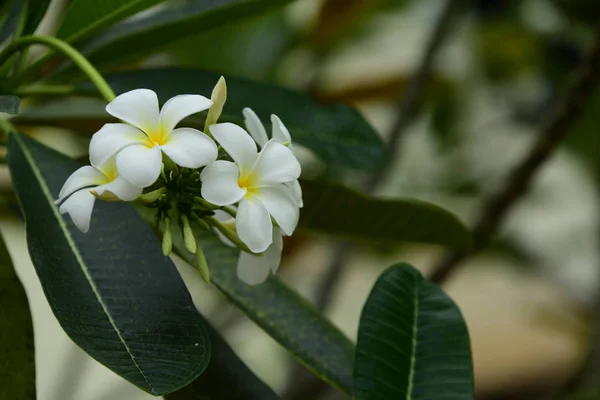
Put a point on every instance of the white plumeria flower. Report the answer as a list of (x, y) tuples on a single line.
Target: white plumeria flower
[(256, 181), (148, 133), (251, 269), (80, 196), (279, 132)]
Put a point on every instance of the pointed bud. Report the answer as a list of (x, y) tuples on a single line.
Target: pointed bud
[(152, 196), (188, 235), (200, 222), (219, 97), (167, 241), (201, 264)]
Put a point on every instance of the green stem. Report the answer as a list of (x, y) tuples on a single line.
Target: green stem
[(67, 50), (229, 234), (45, 90), (16, 35)]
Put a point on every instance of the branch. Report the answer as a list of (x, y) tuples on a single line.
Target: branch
[(557, 129), (411, 102)]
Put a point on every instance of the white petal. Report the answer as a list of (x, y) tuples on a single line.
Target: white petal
[(110, 139), (190, 148), (220, 183), (79, 206), (255, 127), (120, 188), (280, 203), (84, 176), (179, 107), (254, 270), (139, 164), (253, 224), (137, 107), (280, 132), (276, 164), (237, 143), (297, 192)]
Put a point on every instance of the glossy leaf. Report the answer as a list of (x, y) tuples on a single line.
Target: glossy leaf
[(84, 18), (148, 34), (36, 9), (281, 312), (226, 377), (412, 342), (335, 132), (111, 289), (17, 357), (9, 104), (338, 210)]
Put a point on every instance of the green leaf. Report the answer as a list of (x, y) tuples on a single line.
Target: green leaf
[(111, 289), (412, 342), (85, 18), (335, 132), (10, 104), (281, 312), (226, 377), (145, 35), (36, 9), (17, 361), (338, 210)]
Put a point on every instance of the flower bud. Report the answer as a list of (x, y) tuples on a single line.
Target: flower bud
[(201, 264), (219, 97), (167, 241), (188, 235)]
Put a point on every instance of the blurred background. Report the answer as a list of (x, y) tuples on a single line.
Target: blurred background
[(531, 299)]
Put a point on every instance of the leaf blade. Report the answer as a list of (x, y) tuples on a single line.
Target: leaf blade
[(17, 357), (132, 39), (327, 207), (84, 18), (410, 338), (102, 280), (226, 377), (282, 313)]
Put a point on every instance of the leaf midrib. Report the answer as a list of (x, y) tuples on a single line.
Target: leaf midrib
[(63, 227), (415, 329)]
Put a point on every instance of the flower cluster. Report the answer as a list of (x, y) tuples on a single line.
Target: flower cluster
[(237, 182)]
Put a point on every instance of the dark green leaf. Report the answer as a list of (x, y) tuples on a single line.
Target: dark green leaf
[(111, 289), (412, 342), (290, 319), (10, 104), (145, 35), (226, 377), (17, 362), (338, 210), (36, 9), (85, 18)]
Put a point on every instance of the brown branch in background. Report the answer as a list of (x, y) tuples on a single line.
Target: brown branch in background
[(556, 130), (302, 384), (409, 106)]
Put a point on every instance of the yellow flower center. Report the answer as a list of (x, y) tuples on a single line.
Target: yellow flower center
[(156, 137), (248, 182)]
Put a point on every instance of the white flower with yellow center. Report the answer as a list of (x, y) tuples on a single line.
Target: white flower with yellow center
[(84, 185), (255, 180), (279, 132), (148, 132)]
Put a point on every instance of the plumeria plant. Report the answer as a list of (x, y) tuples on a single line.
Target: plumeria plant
[(181, 163)]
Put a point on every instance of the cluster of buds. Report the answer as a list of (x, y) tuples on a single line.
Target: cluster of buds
[(237, 182)]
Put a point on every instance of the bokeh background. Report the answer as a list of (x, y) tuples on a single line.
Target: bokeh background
[(531, 299)]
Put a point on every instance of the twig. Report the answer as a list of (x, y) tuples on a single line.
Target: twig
[(558, 127), (411, 102)]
